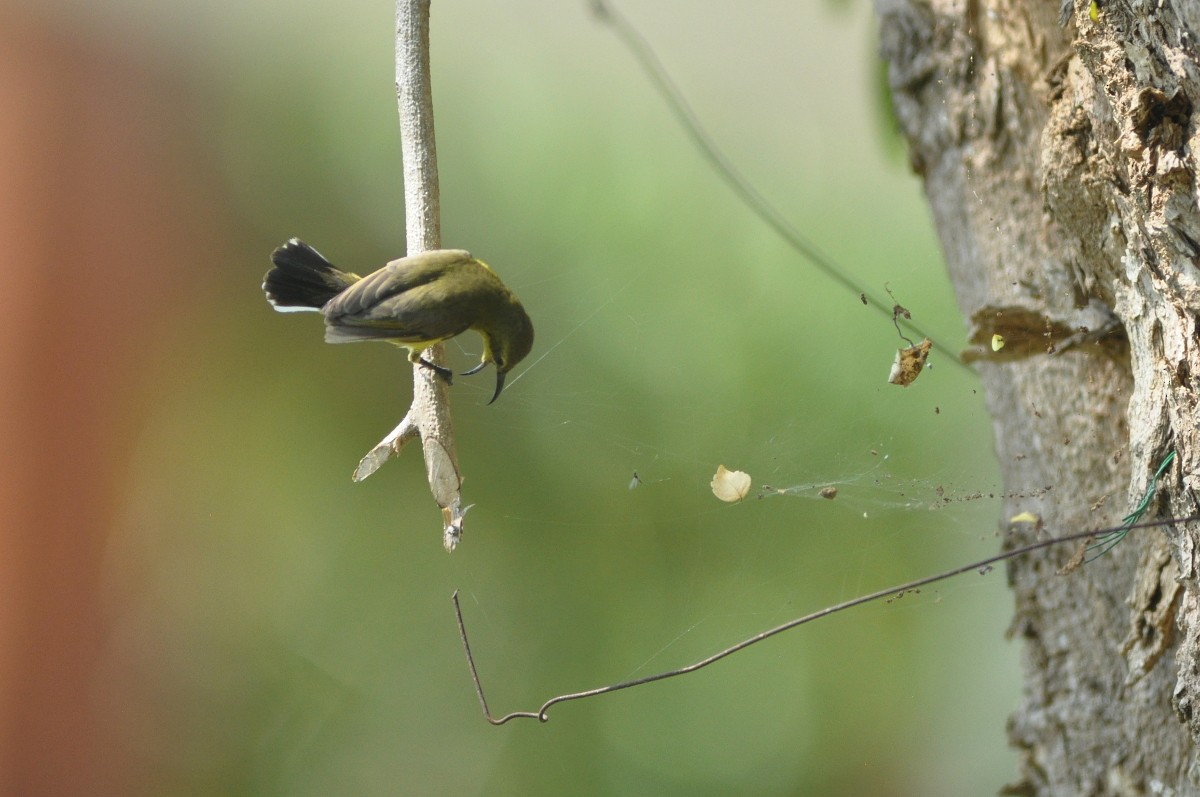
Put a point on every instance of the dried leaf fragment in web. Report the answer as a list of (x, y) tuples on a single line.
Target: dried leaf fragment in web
[(730, 486), (909, 363)]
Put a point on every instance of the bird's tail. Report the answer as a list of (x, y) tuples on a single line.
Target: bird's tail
[(303, 279)]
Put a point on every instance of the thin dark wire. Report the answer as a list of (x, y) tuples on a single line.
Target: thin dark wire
[(982, 566), (462, 633), (741, 186)]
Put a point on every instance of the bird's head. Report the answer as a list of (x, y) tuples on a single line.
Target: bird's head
[(506, 342)]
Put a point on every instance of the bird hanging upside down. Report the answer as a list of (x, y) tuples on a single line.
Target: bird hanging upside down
[(413, 302)]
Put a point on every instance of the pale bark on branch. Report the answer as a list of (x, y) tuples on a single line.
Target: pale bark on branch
[(429, 416)]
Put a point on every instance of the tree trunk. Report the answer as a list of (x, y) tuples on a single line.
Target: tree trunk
[(1060, 166)]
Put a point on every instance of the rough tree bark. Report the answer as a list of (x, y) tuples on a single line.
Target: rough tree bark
[(1060, 163)]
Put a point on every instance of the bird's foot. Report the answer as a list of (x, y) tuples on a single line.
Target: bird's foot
[(444, 373), (474, 370)]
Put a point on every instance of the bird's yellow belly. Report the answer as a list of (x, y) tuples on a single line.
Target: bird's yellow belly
[(414, 346)]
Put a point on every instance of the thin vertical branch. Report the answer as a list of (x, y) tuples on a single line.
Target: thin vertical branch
[(414, 91), (429, 415)]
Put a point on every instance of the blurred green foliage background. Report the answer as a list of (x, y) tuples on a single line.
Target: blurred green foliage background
[(278, 630)]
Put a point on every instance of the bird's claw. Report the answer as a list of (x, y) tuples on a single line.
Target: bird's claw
[(444, 373)]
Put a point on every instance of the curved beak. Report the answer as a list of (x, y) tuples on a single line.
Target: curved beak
[(499, 385)]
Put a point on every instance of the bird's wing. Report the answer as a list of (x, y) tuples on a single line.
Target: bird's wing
[(419, 314), (394, 278), (406, 301)]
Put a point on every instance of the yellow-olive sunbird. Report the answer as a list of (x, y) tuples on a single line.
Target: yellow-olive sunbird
[(413, 302)]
